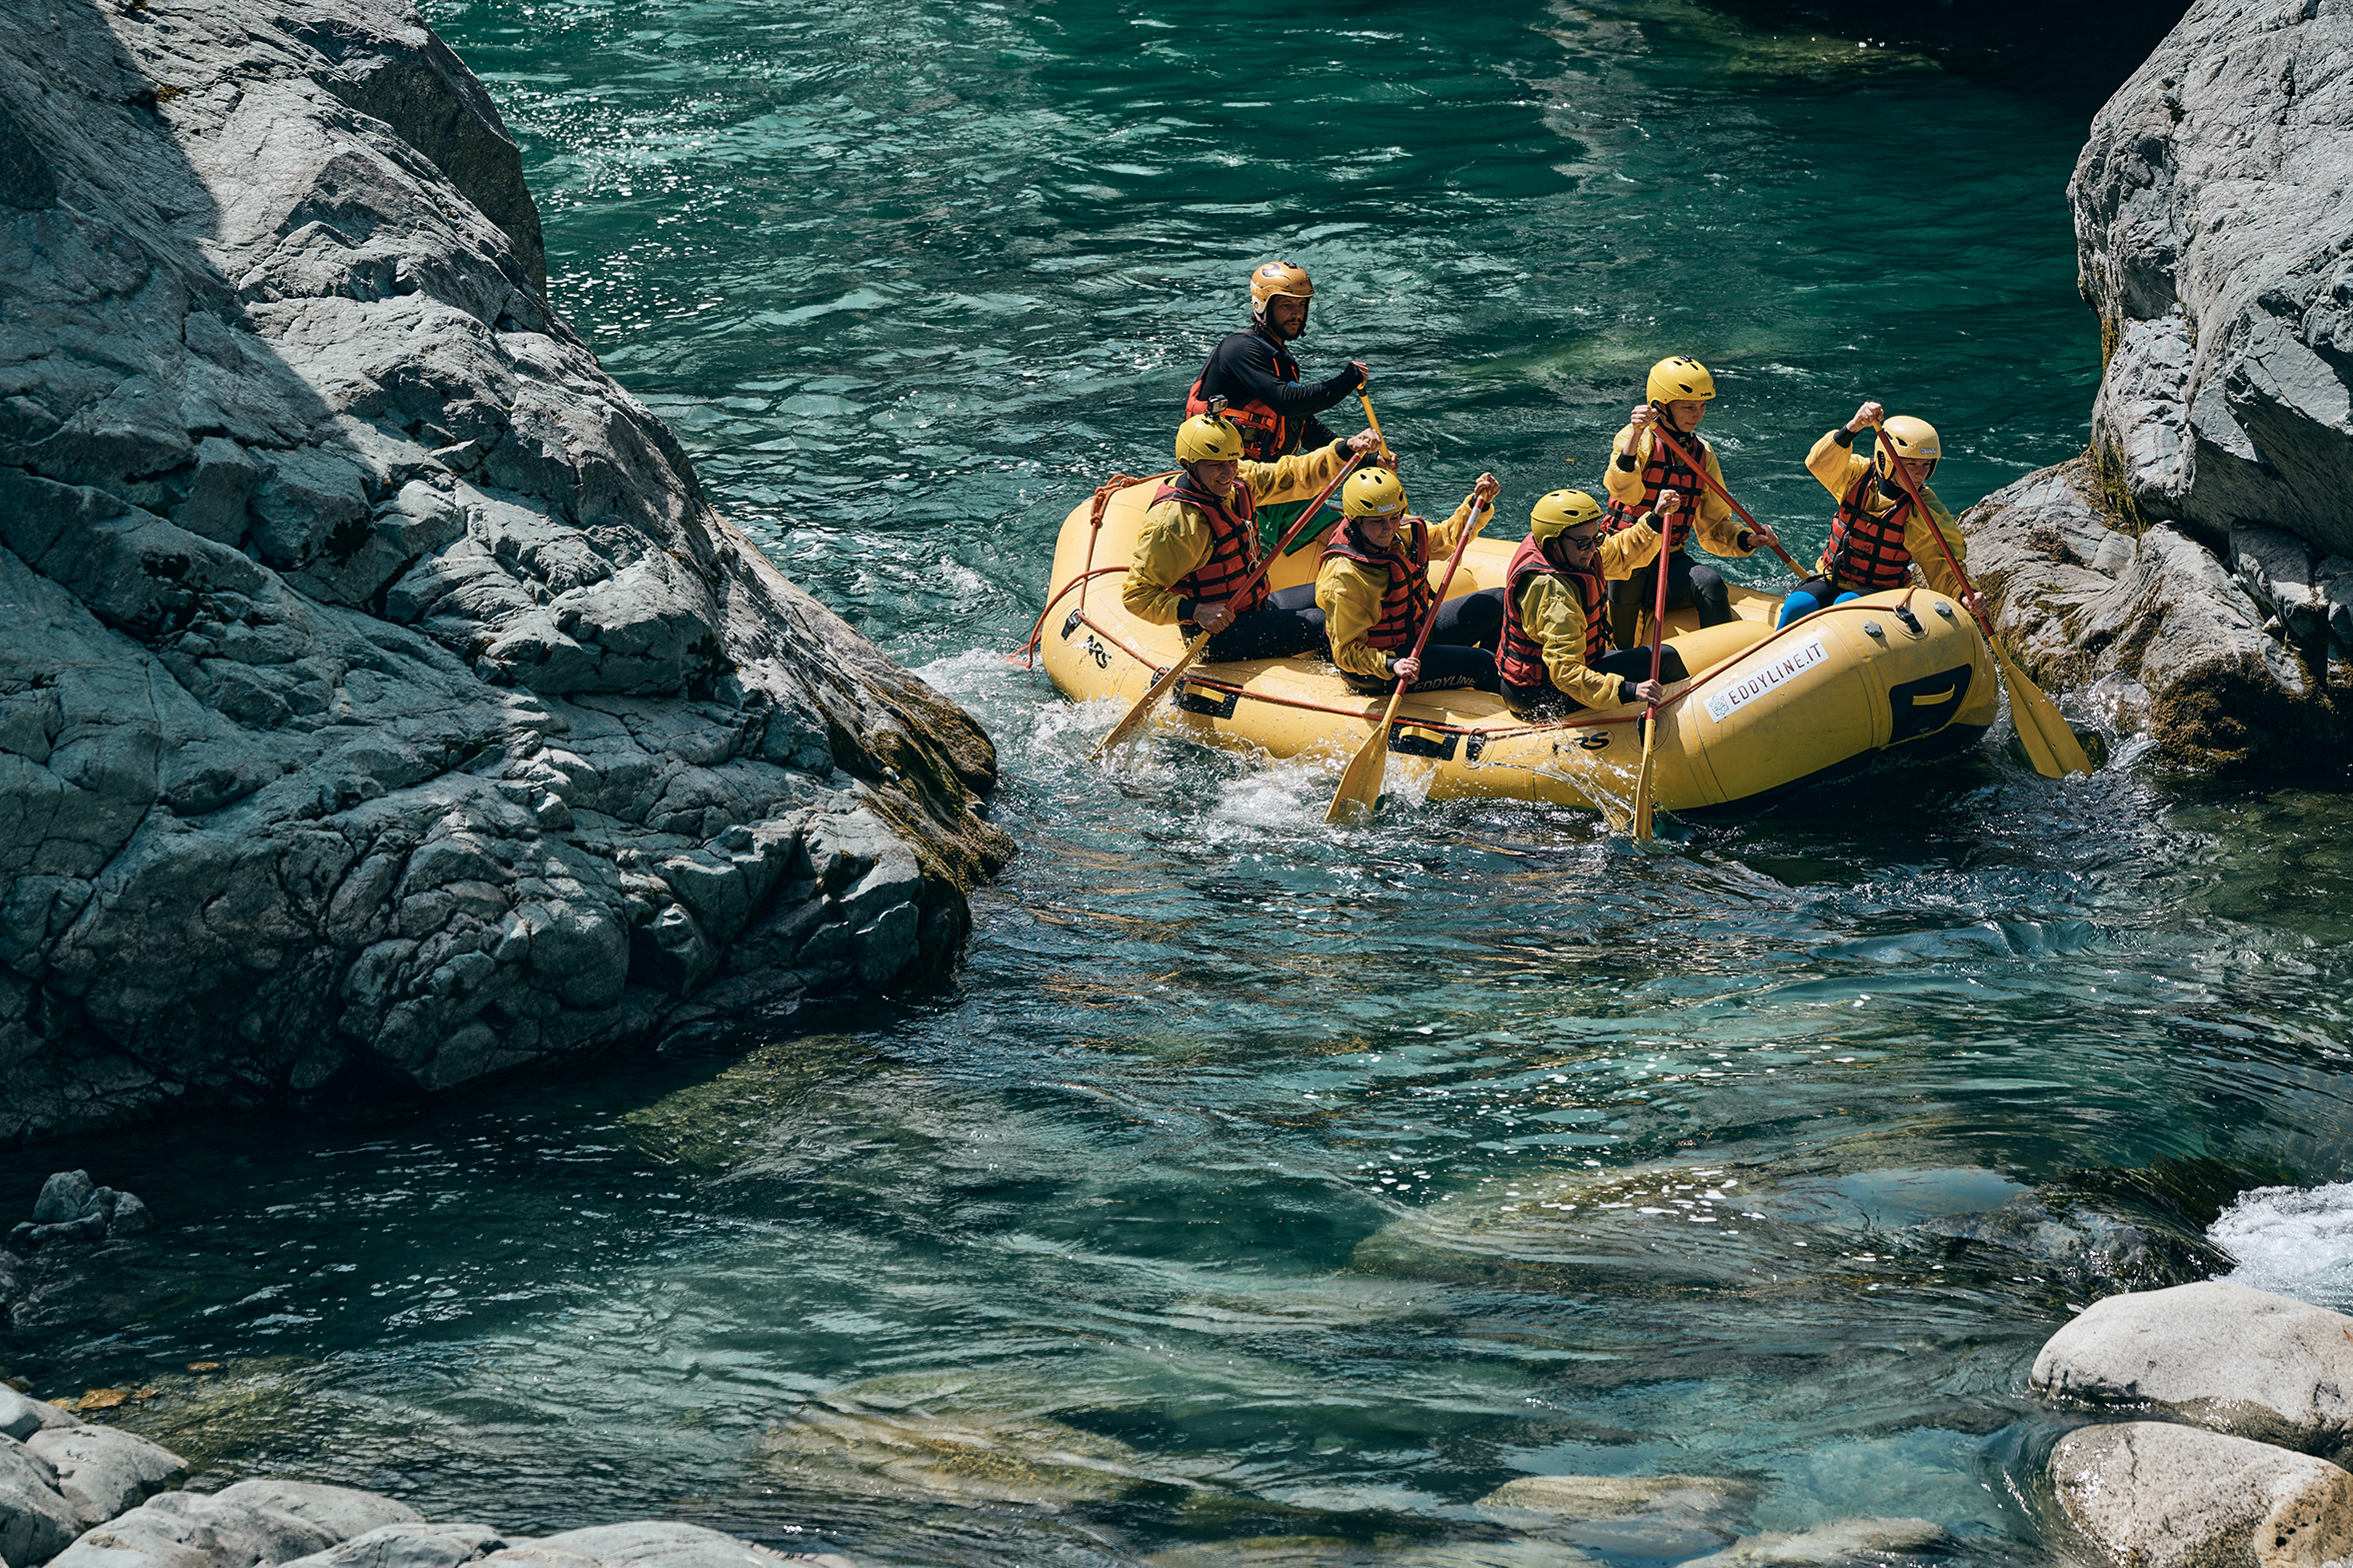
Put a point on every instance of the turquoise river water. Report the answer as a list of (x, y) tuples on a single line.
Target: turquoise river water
[(1259, 1192)]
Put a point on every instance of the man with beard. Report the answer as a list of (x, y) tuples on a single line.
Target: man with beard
[(1254, 370)]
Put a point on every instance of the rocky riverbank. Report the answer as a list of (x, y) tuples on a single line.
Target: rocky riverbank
[(2194, 572), (380, 699)]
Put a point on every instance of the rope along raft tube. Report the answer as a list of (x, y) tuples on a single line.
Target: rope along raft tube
[(1766, 711)]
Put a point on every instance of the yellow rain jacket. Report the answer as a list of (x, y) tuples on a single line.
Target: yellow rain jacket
[(1349, 594), (1550, 611), (1838, 464), (1175, 538), (1707, 514)]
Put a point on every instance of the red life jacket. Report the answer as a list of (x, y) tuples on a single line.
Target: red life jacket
[(1865, 551), (1408, 599), (1233, 545), (1265, 435), (1665, 470), (1522, 656)]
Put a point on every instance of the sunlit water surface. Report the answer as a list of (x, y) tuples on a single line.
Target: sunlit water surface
[(1260, 1192)]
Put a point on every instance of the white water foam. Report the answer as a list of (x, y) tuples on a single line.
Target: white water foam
[(2292, 1241)]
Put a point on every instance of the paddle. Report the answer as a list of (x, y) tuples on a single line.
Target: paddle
[(1366, 398), (2051, 746), (1359, 786), (1709, 480), (1126, 728), (1650, 714)]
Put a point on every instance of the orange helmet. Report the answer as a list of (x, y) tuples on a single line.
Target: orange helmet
[(1278, 277)]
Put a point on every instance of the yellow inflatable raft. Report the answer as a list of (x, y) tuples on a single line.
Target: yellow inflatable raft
[(1764, 713)]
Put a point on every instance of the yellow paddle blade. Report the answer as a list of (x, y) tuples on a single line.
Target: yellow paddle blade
[(1358, 794), (1126, 728), (1642, 783), (2051, 746)]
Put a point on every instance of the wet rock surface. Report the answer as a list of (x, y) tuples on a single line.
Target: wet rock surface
[(2155, 1495), (71, 1207), (380, 701), (2195, 569), (2215, 1355), (2149, 630)]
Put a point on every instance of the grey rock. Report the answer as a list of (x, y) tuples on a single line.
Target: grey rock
[(71, 1209), (2154, 1495), (102, 1471), (2210, 213), (340, 1512), (659, 1544), (1856, 1541), (2087, 606), (36, 1522), (410, 1544), (191, 1530), (67, 1195), (2212, 1354), (22, 1415), (330, 556)]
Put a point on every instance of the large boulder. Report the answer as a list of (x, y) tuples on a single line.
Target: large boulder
[(380, 698), (103, 1472), (2214, 1354), (2154, 1495), (2145, 624), (2210, 220)]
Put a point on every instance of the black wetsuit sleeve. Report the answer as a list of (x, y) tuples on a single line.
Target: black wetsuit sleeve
[(1242, 369), (1313, 435)]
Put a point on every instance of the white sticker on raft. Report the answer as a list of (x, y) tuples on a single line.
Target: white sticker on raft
[(1804, 656)]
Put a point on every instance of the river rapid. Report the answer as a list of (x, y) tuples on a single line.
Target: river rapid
[(1260, 1192)]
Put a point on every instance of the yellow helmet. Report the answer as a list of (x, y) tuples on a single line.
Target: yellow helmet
[(1372, 493), (1560, 512), (1678, 378), (1278, 277), (1913, 440), (1208, 437)]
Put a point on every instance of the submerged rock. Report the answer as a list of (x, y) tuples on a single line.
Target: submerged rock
[(844, 1444), (380, 698), (1848, 1541), (2212, 1354), (2154, 1495), (1642, 1516)]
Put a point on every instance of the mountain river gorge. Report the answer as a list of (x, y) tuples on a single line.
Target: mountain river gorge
[(1258, 1192)]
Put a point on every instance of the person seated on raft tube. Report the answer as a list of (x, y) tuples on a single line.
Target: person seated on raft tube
[(1640, 466), (1551, 657), (1200, 541), (1253, 369), (1374, 591), (1877, 533)]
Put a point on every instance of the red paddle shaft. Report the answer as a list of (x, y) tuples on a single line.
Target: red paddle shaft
[(1709, 481), (1912, 492), (1429, 623)]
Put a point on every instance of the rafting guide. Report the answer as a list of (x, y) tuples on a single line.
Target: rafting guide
[(1591, 663)]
